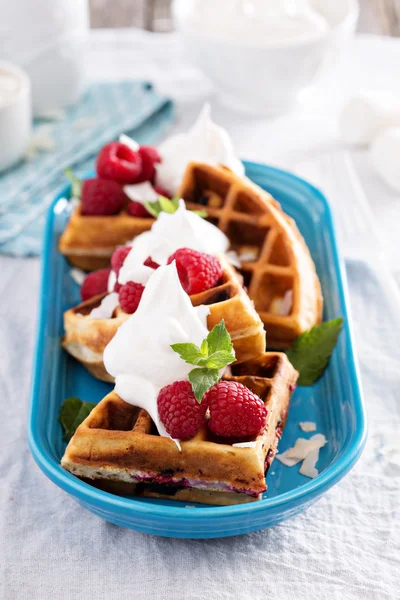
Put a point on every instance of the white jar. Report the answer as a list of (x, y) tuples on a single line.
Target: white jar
[(47, 39), (15, 114)]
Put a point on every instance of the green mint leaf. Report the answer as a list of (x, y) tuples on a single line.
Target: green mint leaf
[(202, 379), (76, 184), (167, 205), (72, 413), (200, 213), (219, 339), (218, 360), (153, 208), (204, 348), (175, 202), (190, 353), (311, 351)]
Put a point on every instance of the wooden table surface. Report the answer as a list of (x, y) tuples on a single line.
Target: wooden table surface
[(376, 16)]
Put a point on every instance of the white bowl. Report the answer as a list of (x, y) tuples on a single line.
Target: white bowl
[(15, 118), (265, 78)]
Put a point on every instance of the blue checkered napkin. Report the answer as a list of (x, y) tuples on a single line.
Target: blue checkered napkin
[(105, 111)]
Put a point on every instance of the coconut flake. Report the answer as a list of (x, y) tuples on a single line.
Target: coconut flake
[(301, 450), (245, 445), (128, 141), (141, 192), (77, 275), (233, 257), (308, 466), (308, 426), (106, 307)]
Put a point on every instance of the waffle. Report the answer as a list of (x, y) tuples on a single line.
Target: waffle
[(118, 448), (89, 241), (276, 262), (86, 338)]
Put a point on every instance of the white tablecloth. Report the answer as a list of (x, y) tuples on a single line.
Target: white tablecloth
[(344, 547)]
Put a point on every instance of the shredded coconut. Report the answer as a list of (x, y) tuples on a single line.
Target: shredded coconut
[(302, 449), (308, 426), (128, 141), (245, 445), (77, 275)]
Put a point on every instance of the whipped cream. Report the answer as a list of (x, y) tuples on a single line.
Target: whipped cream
[(141, 192), (106, 307), (205, 142), (171, 231), (254, 22), (140, 356)]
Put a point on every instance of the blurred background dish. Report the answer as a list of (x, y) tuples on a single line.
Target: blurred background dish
[(261, 56)]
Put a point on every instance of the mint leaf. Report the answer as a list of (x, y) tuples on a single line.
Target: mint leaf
[(217, 360), (200, 213), (164, 204), (219, 339), (76, 184), (204, 347), (153, 208), (190, 353), (311, 351), (72, 413), (201, 380), (167, 205)]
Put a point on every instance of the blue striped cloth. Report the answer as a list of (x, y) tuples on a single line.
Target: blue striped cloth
[(105, 111)]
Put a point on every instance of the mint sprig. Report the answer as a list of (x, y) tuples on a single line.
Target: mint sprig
[(164, 204), (215, 352), (312, 350), (76, 183), (72, 413)]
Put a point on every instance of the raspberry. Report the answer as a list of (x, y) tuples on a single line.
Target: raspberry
[(117, 287), (149, 262), (149, 156), (197, 271), (235, 411), (119, 163), (95, 283), (101, 197), (118, 258), (179, 410), (135, 209), (130, 295), (162, 192)]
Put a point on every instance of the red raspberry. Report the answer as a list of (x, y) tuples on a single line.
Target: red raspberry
[(117, 287), (235, 411), (149, 262), (101, 197), (179, 410), (130, 295), (162, 192), (136, 209), (118, 258), (119, 163), (95, 283), (150, 157), (197, 271)]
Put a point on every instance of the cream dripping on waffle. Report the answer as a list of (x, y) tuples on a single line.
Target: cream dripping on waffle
[(140, 356)]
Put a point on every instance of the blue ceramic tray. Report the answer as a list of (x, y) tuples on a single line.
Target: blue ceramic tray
[(334, 403)]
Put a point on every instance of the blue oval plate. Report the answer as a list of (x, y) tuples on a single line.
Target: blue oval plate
[(334, 403)]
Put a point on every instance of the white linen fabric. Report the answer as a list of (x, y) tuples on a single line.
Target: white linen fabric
[(346, 546)]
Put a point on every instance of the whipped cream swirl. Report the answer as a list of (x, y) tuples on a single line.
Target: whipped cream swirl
[(140, 356), (205, 142), (171, 231)]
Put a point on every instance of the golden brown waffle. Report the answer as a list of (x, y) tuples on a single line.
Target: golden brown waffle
[(86, 338), (275, 258), (118, 448), (89, 241)]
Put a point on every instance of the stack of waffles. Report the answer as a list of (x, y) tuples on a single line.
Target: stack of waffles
[(117, 447)]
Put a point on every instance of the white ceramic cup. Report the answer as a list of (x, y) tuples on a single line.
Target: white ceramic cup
[(15, 116)]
